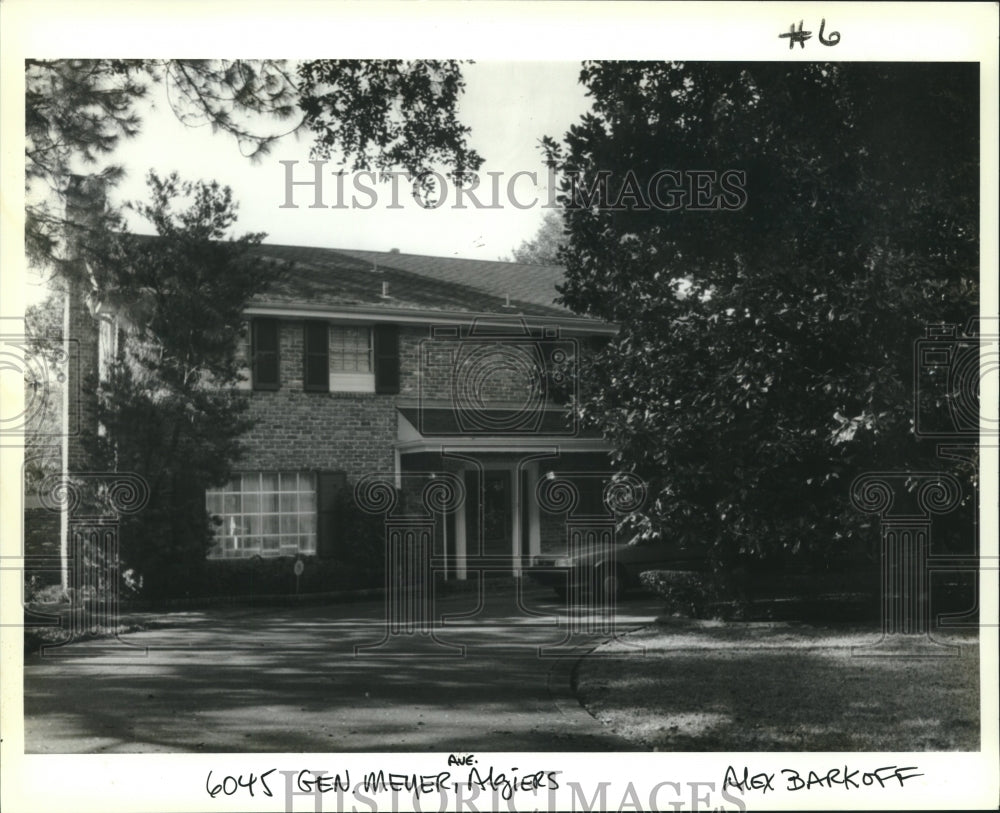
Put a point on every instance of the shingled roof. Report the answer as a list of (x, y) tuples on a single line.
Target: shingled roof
[(344, 277)]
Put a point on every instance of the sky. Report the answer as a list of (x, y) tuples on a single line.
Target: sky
[(509, 107)]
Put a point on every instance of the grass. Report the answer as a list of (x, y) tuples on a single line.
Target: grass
[(729, 686)]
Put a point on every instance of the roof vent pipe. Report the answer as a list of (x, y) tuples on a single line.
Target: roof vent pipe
[(385, 289)]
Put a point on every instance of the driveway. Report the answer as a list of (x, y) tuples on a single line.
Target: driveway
[(289, 680)]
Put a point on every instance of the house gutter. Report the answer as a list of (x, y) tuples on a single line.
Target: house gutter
[(407, 316)]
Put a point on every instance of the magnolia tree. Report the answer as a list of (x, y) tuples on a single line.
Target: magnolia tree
[(772, 239)]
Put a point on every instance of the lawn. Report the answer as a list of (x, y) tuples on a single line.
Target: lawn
[(727, 686)]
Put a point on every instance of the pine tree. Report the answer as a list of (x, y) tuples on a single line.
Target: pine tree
[(168, 408)]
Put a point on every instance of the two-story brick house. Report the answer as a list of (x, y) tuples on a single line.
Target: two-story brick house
[(367, 368), (400, 368)]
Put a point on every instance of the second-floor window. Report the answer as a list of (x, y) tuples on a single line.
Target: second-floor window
[(334, 357), (350, 349), (352, 366)]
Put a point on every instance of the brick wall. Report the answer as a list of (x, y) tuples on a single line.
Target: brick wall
[(82, 379), (41, 538), (350, 432), (495, 370), (355, 432)]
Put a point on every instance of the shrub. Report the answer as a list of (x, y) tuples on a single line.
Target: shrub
[(259, 576), (685, 592)]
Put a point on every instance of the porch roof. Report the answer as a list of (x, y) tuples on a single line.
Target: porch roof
[(423, 428)]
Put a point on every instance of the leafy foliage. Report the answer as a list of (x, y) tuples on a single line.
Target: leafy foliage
[(543, 248), (765, 354), (373, 114), (167, 406), (43, 394), (387, 114)]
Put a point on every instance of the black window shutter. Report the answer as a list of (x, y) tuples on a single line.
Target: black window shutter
[(386, 359), (315, 357), (265, 353), (329, 523)]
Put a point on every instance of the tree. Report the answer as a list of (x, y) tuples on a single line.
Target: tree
[(167, 409), (43, 395), (372, 114), (167, 405), (543, 248), (767, 319)]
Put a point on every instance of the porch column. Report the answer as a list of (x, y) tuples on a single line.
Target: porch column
[(534, 524), (460, 552), (515, 519)]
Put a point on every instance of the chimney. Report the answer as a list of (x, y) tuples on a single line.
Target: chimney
[(85, 207)]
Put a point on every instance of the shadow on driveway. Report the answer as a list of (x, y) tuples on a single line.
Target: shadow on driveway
[(287, 680)]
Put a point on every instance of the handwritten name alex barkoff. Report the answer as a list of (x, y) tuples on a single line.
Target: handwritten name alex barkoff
[(833, 778)]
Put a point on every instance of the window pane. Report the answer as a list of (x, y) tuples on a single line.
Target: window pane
[(350, 349), (266, 513), (213, 502)]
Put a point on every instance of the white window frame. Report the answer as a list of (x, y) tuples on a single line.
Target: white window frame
[(250, 528), (350, 380)]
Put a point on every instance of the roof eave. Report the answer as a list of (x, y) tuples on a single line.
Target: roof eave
[(568, 323)]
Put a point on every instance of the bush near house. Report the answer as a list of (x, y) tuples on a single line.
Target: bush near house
[(260, 576), (825, 596)]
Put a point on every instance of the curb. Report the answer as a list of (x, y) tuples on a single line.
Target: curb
[(561, 680)]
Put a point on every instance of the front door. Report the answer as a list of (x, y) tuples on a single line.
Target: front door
[(496, 513)]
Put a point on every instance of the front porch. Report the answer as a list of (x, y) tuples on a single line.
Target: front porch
[(498, 521)]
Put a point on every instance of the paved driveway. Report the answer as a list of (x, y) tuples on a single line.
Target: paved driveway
[(288, 680)]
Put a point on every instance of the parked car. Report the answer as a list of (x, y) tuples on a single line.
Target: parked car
[(610, 570)]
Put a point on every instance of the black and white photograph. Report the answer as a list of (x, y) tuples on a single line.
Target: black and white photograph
[(396, 419)]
